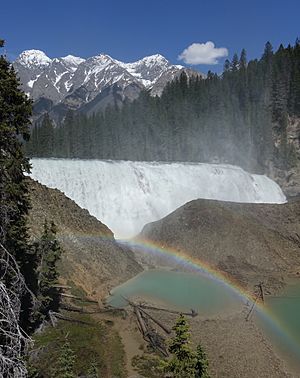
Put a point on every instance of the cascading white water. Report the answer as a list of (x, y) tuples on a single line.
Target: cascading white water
[(126, 195)]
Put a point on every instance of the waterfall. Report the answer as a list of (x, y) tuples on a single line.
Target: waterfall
[(125, 195)]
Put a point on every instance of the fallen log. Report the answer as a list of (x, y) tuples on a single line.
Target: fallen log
[(156, 341), (52, 318), (251, 310), (62, 317), (80, 310), (134, 305), (78, 298), (193, 313), (62, 287), (162, 326), (140, 321)]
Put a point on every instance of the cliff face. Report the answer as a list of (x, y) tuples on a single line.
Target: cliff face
[(288, 177), (251, 242), (92, 259)]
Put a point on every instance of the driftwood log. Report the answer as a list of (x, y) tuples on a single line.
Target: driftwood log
[(193, 313), (156, 341), (77, 298)]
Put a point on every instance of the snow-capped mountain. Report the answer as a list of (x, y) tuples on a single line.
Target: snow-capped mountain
[(73, 82), (45, 77)]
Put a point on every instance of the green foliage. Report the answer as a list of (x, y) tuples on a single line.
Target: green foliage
[(184, 362), (201, 365), (49, 252), (93, 371), (43, 138), (97, 347), (65, 366), (148, 365), (15, 113), (32, 371)]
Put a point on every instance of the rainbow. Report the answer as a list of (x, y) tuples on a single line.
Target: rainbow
[(183, 259), (197, 265)]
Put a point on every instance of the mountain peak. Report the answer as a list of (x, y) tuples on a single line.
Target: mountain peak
[(73, 60), (102, 57), (155, 57), (34, 58)]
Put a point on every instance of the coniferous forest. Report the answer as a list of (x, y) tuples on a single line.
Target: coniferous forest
[(239, 117)]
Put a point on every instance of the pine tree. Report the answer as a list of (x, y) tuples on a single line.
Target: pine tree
[(49, 252), (66, 361), (268, 53), (201, 365), (235, 63), (243, 59), (45, 140), (184, 362), (15, 113), (226, 67), (93, 371)]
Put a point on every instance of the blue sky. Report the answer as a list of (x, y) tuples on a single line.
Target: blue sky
[(130, 29)]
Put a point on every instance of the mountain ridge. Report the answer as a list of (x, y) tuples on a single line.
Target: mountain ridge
[(61, 78)]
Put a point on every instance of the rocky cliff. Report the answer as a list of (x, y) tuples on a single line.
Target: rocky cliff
[(288, 177)]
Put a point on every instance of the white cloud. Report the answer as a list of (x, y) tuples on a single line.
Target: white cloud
[(203, 53)]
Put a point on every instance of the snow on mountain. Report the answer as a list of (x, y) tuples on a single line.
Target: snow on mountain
[(148, 69), (74, 81), (34, 58), (126, 195), (72, 61)]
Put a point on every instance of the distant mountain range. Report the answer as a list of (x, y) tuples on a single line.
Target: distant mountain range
[(89, 85)]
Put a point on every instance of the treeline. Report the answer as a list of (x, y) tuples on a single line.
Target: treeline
[(231, 118)]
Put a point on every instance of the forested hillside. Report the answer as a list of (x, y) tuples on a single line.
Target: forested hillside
[(241, 117)]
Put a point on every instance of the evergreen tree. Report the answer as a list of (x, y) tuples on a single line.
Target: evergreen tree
[(226, 67), (46, 137), (184, 362), (93, 371), (268, 53), (49, 252), (15, 113), (66, 361), (243, 59), (235, 63), (201, 365)]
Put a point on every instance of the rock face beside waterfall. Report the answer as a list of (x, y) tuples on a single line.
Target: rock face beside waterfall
[(251, 242), (91, 259), (288, 177), (126, 195)]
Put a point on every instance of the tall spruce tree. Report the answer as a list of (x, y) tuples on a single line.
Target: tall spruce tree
[(15, 112), (48, 251), (17, 259), (66, 361), (184, 362)]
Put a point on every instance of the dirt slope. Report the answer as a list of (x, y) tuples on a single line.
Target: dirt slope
[(249, 241), (92, 258)]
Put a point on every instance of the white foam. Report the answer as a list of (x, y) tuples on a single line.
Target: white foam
[(126, 195)]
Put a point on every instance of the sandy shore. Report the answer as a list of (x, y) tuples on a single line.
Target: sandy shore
[(235, 348)]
